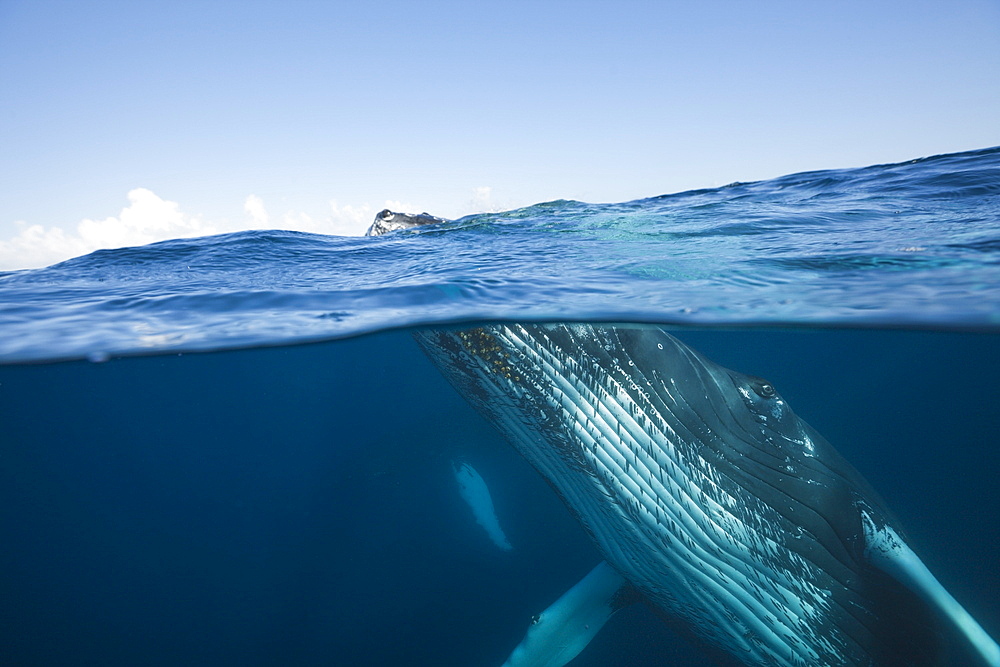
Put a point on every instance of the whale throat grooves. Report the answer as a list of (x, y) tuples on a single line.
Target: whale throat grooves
[(697, 483)]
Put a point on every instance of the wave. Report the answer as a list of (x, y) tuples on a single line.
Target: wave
[(913, 245)]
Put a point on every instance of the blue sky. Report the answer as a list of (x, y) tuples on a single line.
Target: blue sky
[(128, 122)]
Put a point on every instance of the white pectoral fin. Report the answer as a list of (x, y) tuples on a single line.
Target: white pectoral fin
[(887, 551), (477, 495), (559, 633)]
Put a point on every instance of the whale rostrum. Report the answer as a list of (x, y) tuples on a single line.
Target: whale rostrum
[(707, 497)]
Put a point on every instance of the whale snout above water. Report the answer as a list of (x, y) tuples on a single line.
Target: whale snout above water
[(389, 221)]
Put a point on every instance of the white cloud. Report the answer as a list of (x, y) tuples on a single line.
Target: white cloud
[(342, 220), (481, 198), (37, 246), (482, 201), (350, 220), (254, 206), (148, 219)]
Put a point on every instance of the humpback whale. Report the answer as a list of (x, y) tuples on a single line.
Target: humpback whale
[(707, 496), (389, 221)]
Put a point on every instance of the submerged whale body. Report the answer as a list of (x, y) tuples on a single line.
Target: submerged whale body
[(707, 496)]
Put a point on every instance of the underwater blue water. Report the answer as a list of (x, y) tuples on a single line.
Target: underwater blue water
[(288, 504)]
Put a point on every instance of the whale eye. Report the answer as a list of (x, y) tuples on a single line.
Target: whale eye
[(764, 389), (386, 215)]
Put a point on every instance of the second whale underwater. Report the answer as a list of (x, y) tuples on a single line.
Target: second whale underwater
[(707, 496)]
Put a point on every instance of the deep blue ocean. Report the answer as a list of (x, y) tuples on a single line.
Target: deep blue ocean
[(230, 450)]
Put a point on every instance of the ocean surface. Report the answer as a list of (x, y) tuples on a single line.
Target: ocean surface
[(230, 450)]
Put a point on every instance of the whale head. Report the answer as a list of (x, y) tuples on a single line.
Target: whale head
[(389, 221), (699, 485)]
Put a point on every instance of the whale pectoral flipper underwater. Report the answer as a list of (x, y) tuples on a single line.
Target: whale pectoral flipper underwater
[(559, 633), (887, 552), (477, 496)]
